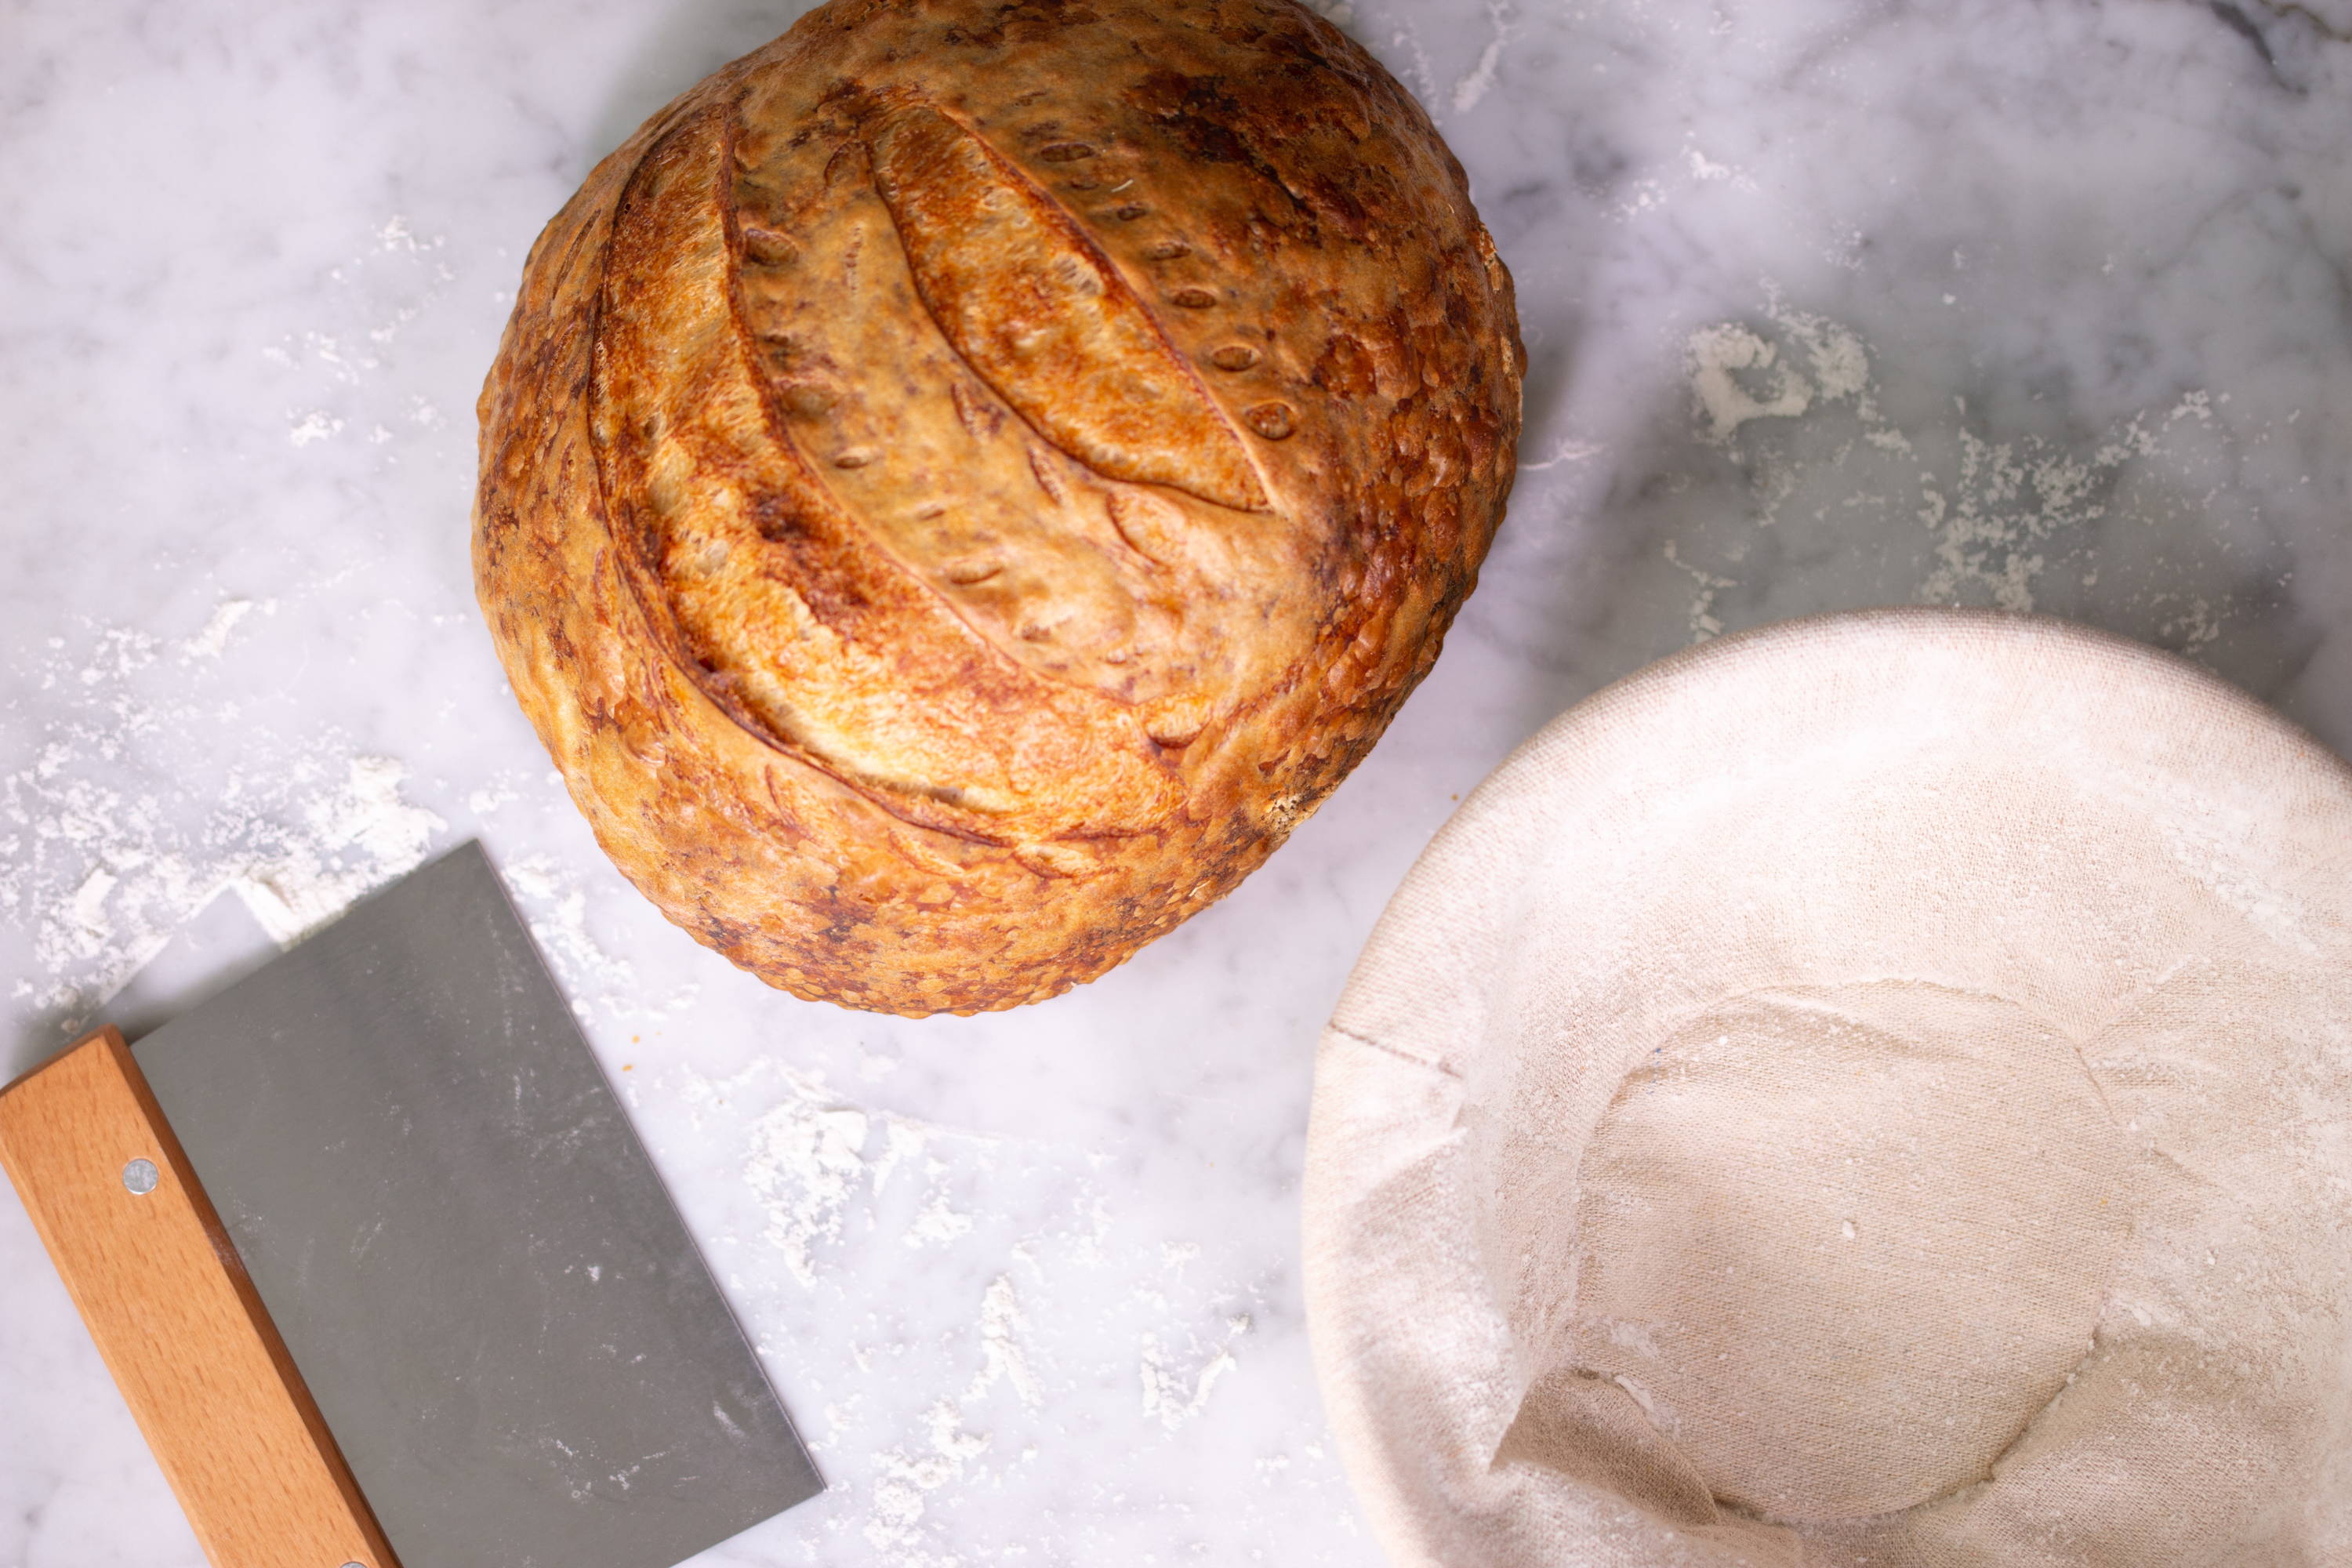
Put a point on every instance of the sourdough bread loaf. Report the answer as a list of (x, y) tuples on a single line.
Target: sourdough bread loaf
[(962, 482)]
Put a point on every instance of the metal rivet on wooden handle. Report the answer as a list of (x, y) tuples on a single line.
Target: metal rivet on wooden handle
[(158, 1283)]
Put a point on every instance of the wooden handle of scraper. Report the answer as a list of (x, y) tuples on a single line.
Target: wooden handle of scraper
[(158, 1282)]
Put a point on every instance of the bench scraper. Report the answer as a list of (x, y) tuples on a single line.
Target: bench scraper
[(383, 1271)]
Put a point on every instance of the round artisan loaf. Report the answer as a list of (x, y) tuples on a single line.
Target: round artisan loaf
[(963, 481)]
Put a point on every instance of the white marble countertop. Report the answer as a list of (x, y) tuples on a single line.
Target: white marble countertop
[(1829, 303)]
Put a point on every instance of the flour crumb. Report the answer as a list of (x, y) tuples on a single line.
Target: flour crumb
[(1567, 451), (368, 814), (1704, 622), (2006, 500), (1166, 1394), (1002, 1357), (210, 642), (362, 836), (500, 791), (315, 425), (1703, 167), (898, 1498), (806, 1159), (902, 1142), (561, 925), (938, 1224), (1720, 402), (86, 920), (1479, 79)]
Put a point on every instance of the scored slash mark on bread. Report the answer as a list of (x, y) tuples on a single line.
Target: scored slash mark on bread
[(1039, 313)]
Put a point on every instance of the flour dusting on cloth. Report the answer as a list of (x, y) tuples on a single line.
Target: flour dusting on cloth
[(1871, 1091)]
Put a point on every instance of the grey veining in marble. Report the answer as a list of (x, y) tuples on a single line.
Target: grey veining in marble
[(1829, 303)]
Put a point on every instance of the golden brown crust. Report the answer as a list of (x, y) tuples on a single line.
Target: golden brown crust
[(964, 480)]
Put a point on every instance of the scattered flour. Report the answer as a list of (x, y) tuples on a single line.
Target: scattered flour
[(994, 1278), (1703, 167), (315, 425), (210, 642), (1001, 1323), (554, 905), (1166, 1394), (1836, 369), (501, 792), (560, 926), (898, 1493), (904, 1480), (902, 1143), (360, 835), (1567, 450), (86, 931), (2007, 499), (937, 1224), (1642, 196), (1480, 79), (808, 1164), (807, 1158), (1994, 522), (1411, 61), (1720, 402), (100, 871), (1704, 623), (101, 863), (2194, 626)]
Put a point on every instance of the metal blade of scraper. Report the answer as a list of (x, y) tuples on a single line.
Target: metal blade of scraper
[(471, 1260)]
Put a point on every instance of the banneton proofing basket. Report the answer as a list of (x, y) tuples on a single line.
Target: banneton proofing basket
[(1877, 1089)]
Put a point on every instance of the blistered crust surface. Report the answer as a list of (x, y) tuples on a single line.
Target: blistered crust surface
[(963, 481)]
